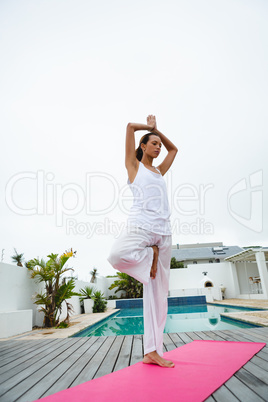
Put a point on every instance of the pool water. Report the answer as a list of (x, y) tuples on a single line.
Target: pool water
[(202, 317)]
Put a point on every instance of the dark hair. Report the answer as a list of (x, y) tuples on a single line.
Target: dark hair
[(143, 140)]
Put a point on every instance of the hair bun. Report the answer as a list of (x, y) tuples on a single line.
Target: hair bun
[(139, 153)]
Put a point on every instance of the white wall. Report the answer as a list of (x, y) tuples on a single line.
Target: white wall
[(17, 289), (109, 281), (191, 277)]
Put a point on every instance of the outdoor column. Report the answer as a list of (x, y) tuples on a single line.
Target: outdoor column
[(260, 258), (234, 278)]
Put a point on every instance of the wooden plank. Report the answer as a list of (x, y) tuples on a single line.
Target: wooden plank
[(262, 355), (262, 330), (29, 371), (124, 354), (109, 362), (252, 334), (253, 382), (258, 330), (226, 336), (13, 362), (203, 336), (176, 340), (254, 331), (213, 336), (184, 337), (40, 383), (223, 394), (20, 349), (91, 368), (241, 391), (264, 350), (137, 350), (256, 335), (168, 342), (9, 343), (259, 361), (15, 346), (240, 336), (263, 363), (87, 351), (232, 336), (17, 365), (257, 371), (193, 336)]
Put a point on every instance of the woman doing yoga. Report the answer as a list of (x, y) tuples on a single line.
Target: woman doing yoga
[(143, 250)]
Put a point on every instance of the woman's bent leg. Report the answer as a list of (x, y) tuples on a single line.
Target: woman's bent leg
[(155, 300), (131, 253)]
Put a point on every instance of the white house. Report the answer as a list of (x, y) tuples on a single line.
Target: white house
[(243, 274)]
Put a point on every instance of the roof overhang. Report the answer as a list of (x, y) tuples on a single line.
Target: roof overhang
[(247, 255)]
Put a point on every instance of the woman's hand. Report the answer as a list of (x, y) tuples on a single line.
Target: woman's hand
[(151, 122)]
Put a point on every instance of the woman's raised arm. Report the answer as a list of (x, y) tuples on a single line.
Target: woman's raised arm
[(170, 147), (131, 161)]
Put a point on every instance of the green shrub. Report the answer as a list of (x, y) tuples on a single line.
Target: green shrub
[(132, 288), (63, 324), (100, 303)]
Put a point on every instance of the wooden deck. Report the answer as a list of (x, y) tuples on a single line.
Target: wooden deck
[(33, 369)]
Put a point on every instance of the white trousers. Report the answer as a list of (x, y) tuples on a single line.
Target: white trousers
[(132, 254)]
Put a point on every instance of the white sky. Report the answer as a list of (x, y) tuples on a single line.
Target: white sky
[(74, 73)]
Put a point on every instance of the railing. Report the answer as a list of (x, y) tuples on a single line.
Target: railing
[(255, 285)]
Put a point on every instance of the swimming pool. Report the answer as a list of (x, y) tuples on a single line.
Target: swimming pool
[(183, 318)]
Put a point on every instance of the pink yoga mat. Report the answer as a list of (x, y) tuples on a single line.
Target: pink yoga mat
[(200, 368)]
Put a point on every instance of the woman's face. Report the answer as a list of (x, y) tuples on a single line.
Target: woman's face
[(153, 146)]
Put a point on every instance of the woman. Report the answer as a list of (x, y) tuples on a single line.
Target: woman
[(143, 251)]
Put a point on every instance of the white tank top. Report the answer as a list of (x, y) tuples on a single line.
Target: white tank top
[(150, 209)]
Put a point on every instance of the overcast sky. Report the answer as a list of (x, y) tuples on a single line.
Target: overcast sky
[(74, 73)]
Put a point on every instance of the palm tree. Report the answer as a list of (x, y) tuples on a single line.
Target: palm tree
[(57, 289), (18, 258), (132, 288), (93, 274)]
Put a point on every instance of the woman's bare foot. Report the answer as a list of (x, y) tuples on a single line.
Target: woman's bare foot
[(154, 264), (154, 358)]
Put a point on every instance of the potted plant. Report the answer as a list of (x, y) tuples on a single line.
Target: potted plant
[(86, 298)]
